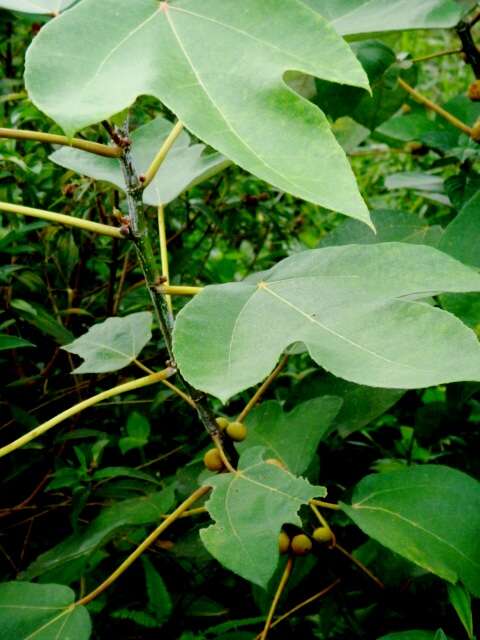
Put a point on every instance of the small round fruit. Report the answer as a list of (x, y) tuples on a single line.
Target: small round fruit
[(322, 535), (237, 431), (301, 545), (213, 460), (222, 423), (283, 542)]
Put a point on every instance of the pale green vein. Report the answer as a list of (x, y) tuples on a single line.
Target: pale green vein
[(416, 525)]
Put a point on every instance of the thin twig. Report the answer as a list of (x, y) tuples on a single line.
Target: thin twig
[(278, 594), (326, 505), (469, 48), (360, 565), (81, 406), (168, 290), (218, 443), (262, 389), (196, 495), (162, 234), (60, 218), (302, 604), (437, 54), (433, 106), (76, 143), (168, 384), (161, 155)]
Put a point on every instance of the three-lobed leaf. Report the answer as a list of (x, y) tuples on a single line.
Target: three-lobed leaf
[(428, 514), (231, 93), (249, 508), (43, 611), (292, 438), (357, 309), (185, 166), (112, 344)]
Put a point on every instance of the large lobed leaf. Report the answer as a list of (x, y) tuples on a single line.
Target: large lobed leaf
[(249, 507), (356, 308), (112, 344), (350, 17), (231, 93), (41, 611), (185, 166), (429, 514)]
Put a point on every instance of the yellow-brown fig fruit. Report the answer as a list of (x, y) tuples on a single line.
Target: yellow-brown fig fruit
[(322, 535), (301, 545), (474, 91), (237, 431), (476, 131), (283, 542), (213, 460), (222, 423)]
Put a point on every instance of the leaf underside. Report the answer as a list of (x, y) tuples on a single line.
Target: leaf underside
[(36, 6), (185, 166), (112, 344), (357, 309), (351, 17), (231, 94)]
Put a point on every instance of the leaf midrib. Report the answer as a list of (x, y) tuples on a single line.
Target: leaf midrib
[(223, 117), (416, 525)]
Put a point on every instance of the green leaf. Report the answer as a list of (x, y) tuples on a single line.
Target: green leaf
[(292, 437), (111, 521), (159, 600), (39, 317), (138, 429), (356, 308), (462, 603), (43, 612), (360, 405), (230, 94), (379, 63), (249, 507), (428, 514), (435, 132), (12, 342), (460, 240), (462, 235), (112, 344), (108, 473), (185, 166), (390, 225), (36, 6), (350, 17)]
